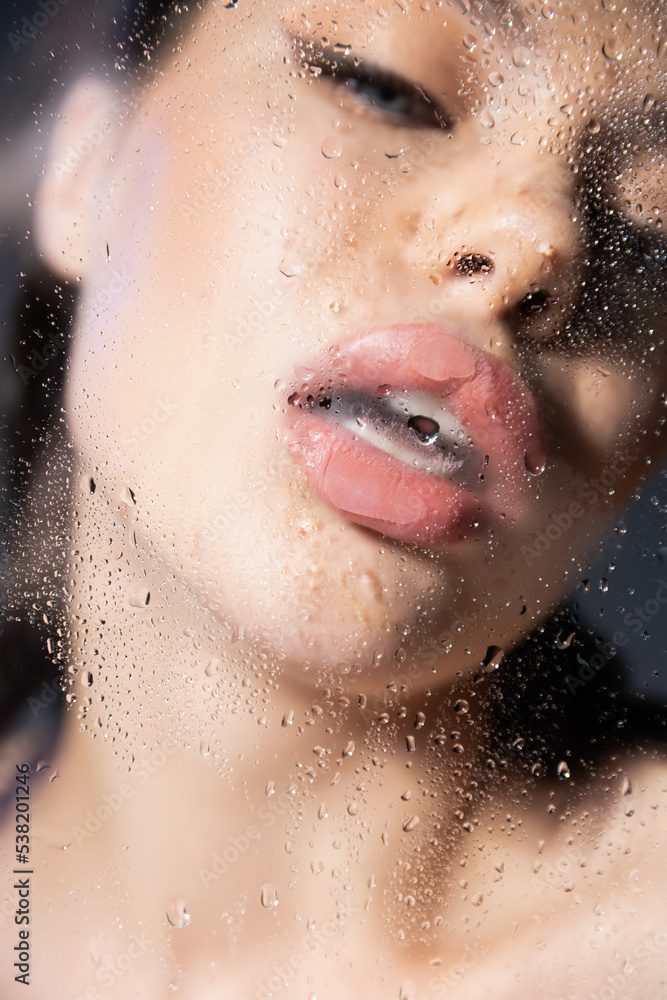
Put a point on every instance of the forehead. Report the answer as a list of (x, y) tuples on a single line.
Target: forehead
[(601, 47)]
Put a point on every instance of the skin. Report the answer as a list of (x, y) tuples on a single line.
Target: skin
[(264, 601)]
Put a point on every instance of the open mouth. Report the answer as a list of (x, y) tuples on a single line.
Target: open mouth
[(416, 433), (409, 426)]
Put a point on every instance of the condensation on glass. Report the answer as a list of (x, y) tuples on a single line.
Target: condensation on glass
[(335, 565)]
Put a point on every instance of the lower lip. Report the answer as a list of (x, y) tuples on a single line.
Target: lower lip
[(376, 490)]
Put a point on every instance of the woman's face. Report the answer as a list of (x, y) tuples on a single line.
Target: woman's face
[(371, 320)]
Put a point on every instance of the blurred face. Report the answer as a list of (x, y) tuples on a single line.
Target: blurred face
[(371, 317)]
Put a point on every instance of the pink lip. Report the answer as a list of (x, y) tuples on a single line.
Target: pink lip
[(379, 491)]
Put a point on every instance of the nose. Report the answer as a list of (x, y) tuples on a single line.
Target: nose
[(496, 233)]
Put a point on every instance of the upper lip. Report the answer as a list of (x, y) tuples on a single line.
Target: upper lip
[(485, 393)]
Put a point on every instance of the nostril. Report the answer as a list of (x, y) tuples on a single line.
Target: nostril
[(473, 263), (534, 302)]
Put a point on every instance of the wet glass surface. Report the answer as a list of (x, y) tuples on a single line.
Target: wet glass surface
[(334, 559)]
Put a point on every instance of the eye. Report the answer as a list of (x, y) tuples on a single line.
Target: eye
[(641, 249), (535, 302), (646, 250), (393, 98), (386, 94)]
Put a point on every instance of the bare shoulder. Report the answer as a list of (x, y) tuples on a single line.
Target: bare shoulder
[(574, 900)]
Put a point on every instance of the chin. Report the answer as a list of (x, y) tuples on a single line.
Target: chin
[(318, 592)]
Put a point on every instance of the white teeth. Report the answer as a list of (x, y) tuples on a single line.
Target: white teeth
[(444, 457)]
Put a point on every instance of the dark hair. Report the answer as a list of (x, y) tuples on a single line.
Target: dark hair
[(44, 308), (36, 347)]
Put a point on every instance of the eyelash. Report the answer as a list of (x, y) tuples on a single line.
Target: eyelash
[(648, 250), (641, 247), (373, 88)]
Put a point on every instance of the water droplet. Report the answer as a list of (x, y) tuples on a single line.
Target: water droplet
[(410, 744), (331, 148), (317, 867), (276, 499), (229, 4), (613, 49), (627, 786), (212, 667), (348, 749), (562, 642), (593, 127), (563, 770), (648, 104), (204, 748), (407, 991), (519, 743), (477, 900), (411, 824), (535, 462), (420, 719), (322, 812), (493, 657), (394, 152), (496, 79), (403, 629), (127, 496), (406, 796), (457, 748), (353, 808), (461, 706), (140, 599), (536, 769), (470, 42), (521, 56), (288, 718), (425, 429), (269, 896), (177, 914), (486, 119), (290, 267)]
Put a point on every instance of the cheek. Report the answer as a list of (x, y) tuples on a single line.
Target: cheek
[(597, 408), (603, 402)]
